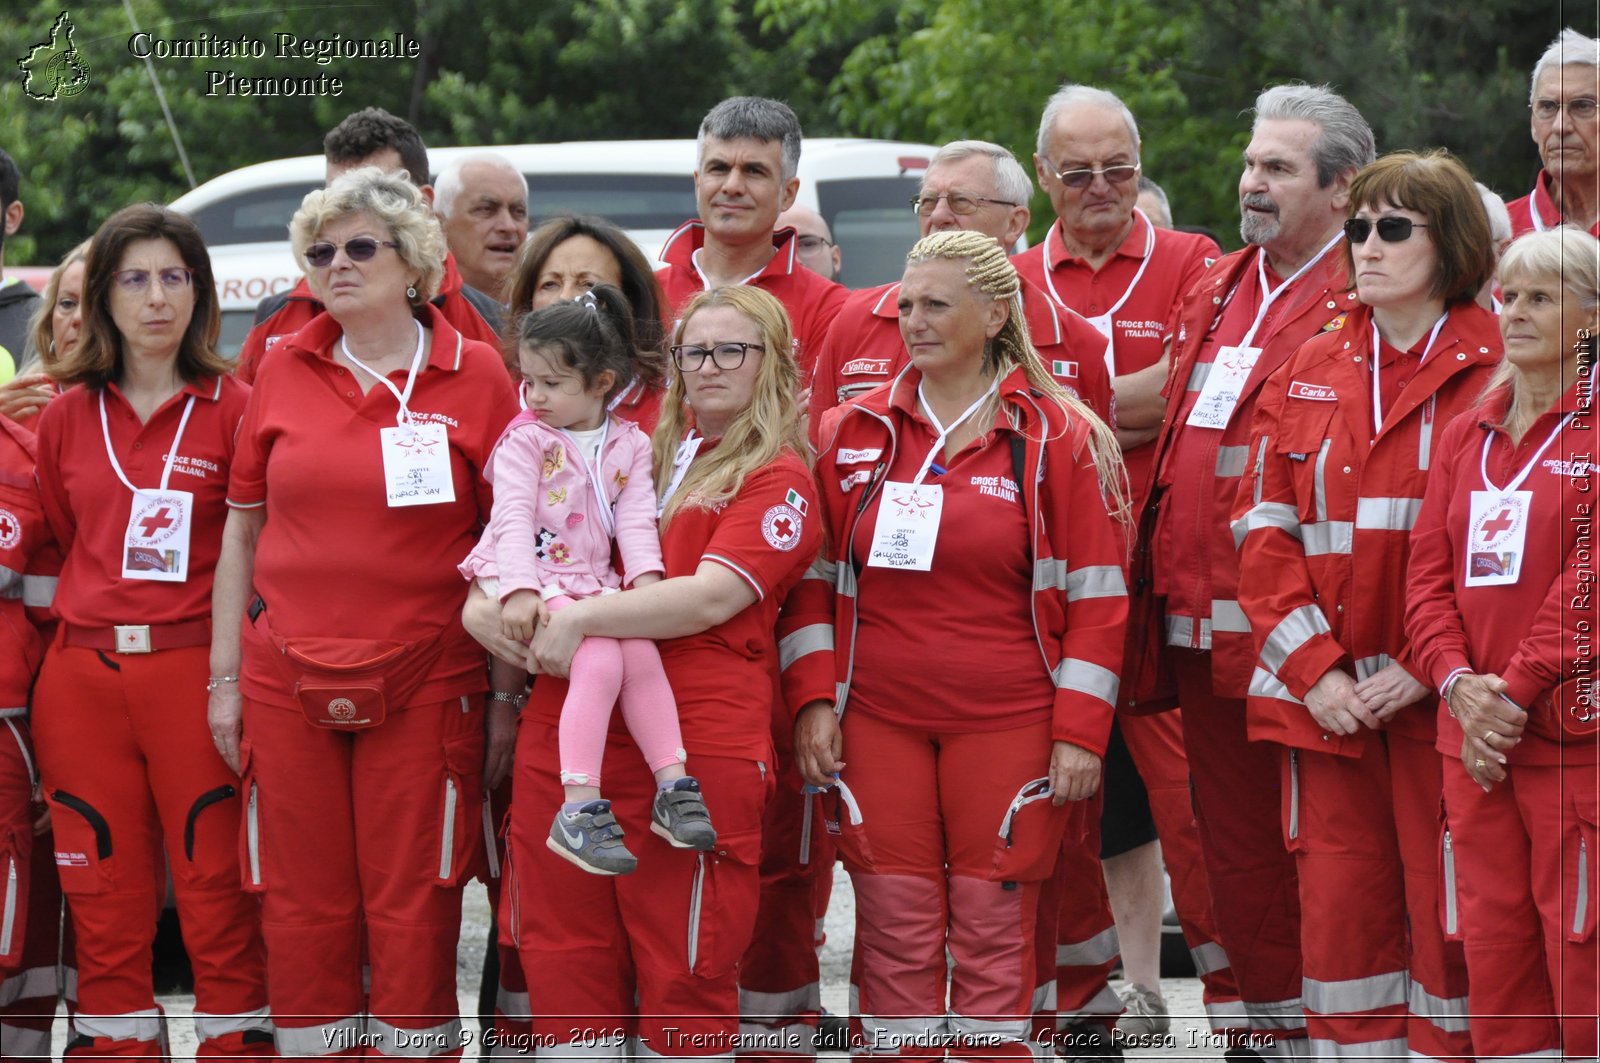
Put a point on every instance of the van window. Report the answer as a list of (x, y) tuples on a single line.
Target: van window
[(260, 215), (873, 224), (632, 201)]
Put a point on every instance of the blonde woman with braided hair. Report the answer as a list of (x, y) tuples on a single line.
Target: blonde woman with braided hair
[(969, 611)]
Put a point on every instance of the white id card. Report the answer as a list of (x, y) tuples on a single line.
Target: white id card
[(1102, 325), (1497, 532), (156, 544), (1224, 384), (416, 465), (908, 526)]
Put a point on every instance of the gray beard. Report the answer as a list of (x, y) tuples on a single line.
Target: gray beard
[(1259, 230)]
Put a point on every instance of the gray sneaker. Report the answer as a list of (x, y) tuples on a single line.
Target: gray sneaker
[(681, 818), (592, 840), (1146, 1017)]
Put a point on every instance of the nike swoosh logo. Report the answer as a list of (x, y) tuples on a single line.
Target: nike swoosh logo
[(574, 838)]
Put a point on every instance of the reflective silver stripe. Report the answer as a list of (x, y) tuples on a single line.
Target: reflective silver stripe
[(1105, 1002), (443, 1039), (1354, 994), (797, 1038), (1367, 667), (1278, 515), (1447, 1013), (10, 582), (1264, 684), (1180, 632), (1102, 948), (1291, 633), (1322, 1048), (8, 912), (1275, 1014), (490, 848), (845, 583), (1086, 678), (252, 836), (1387, 514), (822, 569), (340, 1035), (512, 1005), (36, 983), (1231, 461), (447, 844), (1208, 958), (1450, 923), (1327, 537), (696, 889), (896, 1031), (1049, 574), (1580, 907), (207, 1026), (1044, 997), (1319, 480), (769, 1007), (23, 1043), (992, 1031), (1227, 615), (1227, 1015), (13, 712), (133, 1026), (39, 591), (1197, 376), (813, 638), (1261, 464), (1095, 581), (1294, 799)]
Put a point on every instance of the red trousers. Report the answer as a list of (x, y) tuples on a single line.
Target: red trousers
[(33, 956), (129, 770), (653, 954), (1082, 950), (1380, 978), (1525, 856), (1254, 895), (513, 1023), (949, 854), (1156, 743), (376, 831)]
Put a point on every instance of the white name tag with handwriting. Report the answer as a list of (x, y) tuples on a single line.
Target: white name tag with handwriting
[(416, 465)]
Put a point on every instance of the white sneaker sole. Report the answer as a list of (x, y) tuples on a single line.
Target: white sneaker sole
[(666, 835), (572, 858)]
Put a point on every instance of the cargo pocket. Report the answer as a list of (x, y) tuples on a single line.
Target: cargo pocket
[(461, 810), (1582, 881), (724, 892), (1029, 838), (1449, 892), (250, 869), (842, 819), (83, 844)]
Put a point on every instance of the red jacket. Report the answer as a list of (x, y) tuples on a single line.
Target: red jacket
[(473, 314), (1197, 550), (1078, 551), (1324, 516), (864, 350), (1538, 210), (28, 567), (1540, 630)]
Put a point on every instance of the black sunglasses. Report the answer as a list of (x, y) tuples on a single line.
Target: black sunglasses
[(361, 249), (1392, 229)]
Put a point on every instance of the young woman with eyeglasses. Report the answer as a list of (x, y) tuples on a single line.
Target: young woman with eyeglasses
[(1342, 445), (133, 468)]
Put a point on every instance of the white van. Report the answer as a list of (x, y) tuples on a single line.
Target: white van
[(862, 187)]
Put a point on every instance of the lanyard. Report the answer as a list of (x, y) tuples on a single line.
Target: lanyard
[(172, 454), (606, 518), (403, 416), (680, 467), (1377, 405), (1149, 252), (1271, 294), (1483, 459), (944, 433)]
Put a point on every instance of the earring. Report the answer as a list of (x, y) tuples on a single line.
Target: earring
[(411, 292)]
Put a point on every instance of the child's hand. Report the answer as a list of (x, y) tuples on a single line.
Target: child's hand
[(522, 614)]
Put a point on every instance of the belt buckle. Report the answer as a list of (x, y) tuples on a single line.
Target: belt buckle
[(132, 638)]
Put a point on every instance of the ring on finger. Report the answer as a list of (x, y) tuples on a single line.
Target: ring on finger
[(1479, 764)]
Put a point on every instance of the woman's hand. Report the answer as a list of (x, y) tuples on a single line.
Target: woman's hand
[(480, 615), (521, 614), (1483, 770), (557, 642), (1074, 773), (500, 739), (225, 717), (1490, 723), (818, 743), (1389, 690), (1336, 707), (22, 397)]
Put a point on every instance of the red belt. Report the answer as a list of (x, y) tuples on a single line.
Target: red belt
[(139, 638)]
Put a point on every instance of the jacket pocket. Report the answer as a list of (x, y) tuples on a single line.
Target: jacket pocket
[(201, 803), (83, 844), (842, 818), (1583, 879), (1029, 837), (461, 822)]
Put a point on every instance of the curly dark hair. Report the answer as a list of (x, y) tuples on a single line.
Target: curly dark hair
[(366, 132)]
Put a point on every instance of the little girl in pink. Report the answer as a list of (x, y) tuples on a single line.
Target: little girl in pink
[(570, 480)]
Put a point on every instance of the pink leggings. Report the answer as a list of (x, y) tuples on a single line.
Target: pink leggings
[(602, 670)]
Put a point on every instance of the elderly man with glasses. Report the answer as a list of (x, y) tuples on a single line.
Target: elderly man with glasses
[(1564, 102)]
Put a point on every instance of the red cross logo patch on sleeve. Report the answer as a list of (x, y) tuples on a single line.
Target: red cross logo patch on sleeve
[(780, 526)]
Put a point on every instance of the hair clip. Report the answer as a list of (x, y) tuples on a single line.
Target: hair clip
[(587, 299)]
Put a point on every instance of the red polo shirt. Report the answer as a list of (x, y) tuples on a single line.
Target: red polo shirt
[(811, 299), (1537, 211), (334, 558), (864, 349), (88, 507)]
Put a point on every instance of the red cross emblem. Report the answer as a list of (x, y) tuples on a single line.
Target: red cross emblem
[(8, 527), (783, 527), (1492, 529), (157, 521)]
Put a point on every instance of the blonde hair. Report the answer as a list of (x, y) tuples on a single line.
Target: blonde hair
[(761, 431), (990, 273), (393, 202), (41, 350)]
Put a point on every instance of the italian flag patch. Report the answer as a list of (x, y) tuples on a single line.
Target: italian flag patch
[(794, 499), (1066, 369)]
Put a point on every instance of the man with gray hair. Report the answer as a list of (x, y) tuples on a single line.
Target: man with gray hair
[(976, 185), (749, 157), (481, 201), (1564, 103), (1240, 323)]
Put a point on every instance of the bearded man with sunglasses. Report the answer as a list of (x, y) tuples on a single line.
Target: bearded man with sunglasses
[(1564, 109), (1244, 318)]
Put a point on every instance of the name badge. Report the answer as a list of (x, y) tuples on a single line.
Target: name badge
[(908, 526), (1102, 325), (416, 465), (1497, 532), (156, 544), (1224, 384)]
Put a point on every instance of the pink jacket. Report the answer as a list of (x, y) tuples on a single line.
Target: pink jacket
[(546, 531)]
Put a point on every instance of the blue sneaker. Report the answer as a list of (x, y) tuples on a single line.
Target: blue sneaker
[(681, 818), (591, 839)]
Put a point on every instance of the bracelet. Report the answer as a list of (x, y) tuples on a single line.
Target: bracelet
[(517, 700), (217, 680)]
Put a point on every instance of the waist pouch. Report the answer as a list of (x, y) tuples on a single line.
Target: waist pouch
[(348, 684), (1569, 710)]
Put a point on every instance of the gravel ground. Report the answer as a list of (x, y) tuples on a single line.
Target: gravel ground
[(1189, 1038)]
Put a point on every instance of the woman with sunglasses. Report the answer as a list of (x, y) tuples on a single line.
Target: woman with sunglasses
[(1502, 612), (133, 464), (1344, 440), (357, 488)]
